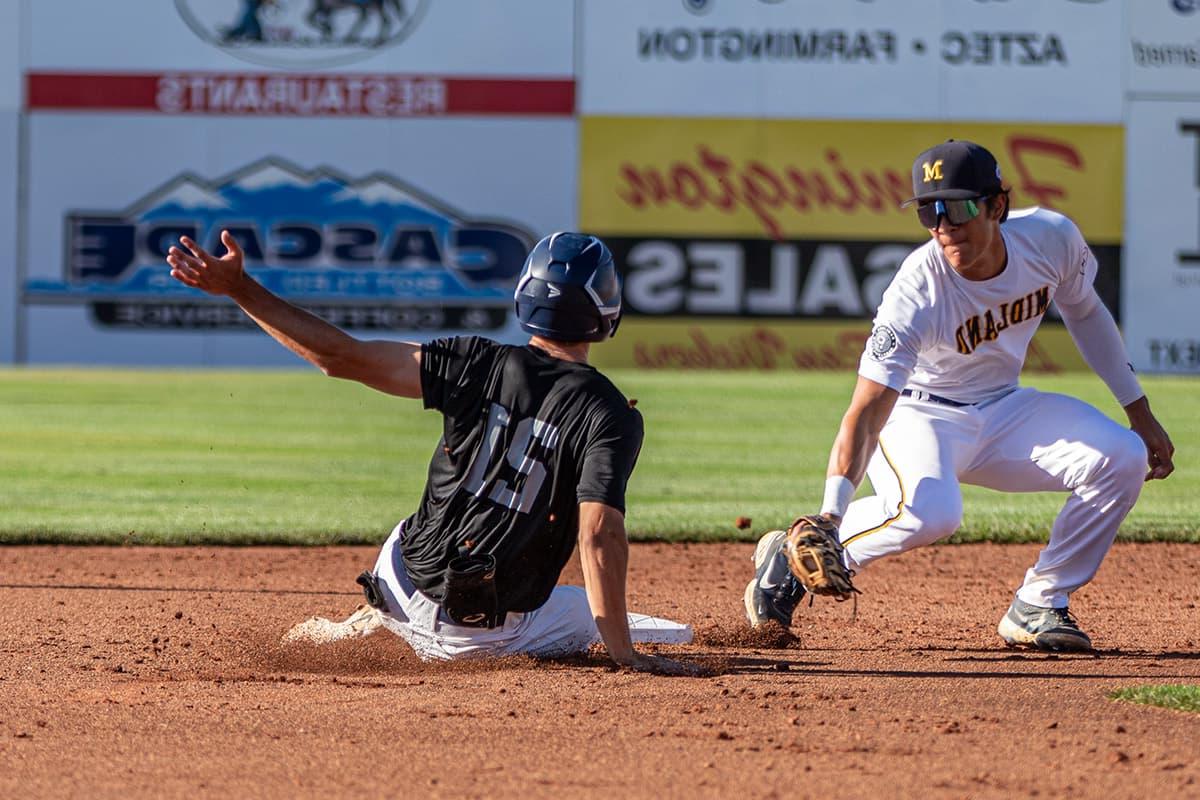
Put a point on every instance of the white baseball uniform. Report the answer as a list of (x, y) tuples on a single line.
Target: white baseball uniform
[(956, 347)]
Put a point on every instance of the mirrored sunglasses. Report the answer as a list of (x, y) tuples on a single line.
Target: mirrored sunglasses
[(956, 212)]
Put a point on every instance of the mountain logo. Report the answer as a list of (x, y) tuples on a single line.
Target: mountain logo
[(301, 34), (313, 236)]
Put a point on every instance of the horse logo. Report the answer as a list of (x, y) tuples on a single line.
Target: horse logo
[(323, 11), (302, 33)]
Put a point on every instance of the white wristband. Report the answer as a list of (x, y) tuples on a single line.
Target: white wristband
[(839, 491)]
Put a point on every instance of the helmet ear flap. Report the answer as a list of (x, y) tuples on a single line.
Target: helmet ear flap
[(616, 322)]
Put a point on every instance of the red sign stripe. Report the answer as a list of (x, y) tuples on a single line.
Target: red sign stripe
[(472, 96), (289, 94), (114, 92)]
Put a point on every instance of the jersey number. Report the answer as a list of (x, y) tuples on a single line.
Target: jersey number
[(526, 433)]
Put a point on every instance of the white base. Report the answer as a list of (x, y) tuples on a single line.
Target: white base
[(646, 629)]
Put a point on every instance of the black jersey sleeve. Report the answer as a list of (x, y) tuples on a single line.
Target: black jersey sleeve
[(609, 458), (450, 365)]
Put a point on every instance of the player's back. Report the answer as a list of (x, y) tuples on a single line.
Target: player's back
[(526, 437)]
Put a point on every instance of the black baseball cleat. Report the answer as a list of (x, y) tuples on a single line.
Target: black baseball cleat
[(774, 592), (1044, 628)]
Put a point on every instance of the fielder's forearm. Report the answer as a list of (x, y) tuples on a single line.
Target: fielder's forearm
[(852, 450), (868, 412), (857, 437)]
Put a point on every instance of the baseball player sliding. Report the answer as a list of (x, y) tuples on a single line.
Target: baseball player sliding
[(937, 402), (536, 451)]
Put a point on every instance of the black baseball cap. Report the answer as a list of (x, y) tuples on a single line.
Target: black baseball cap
[(954, 170)]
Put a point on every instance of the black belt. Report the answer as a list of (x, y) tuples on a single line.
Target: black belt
[(933, 398)]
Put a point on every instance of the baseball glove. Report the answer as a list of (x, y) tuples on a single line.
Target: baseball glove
[(815, 557)]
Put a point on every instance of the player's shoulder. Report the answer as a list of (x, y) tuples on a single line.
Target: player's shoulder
[(604, 389), (471, 346), (1041, 224), (608, 402), (917, 264), (917, 271)]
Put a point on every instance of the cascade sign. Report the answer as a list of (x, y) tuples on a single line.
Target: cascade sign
[(373, 250)]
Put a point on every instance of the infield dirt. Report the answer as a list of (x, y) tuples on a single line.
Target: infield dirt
[(157, 672)]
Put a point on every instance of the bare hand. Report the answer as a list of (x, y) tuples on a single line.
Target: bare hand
[(1158, 444), (202, 270), (661, 665)]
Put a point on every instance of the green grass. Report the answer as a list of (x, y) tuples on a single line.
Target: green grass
[(1179, 698), (292, 456)]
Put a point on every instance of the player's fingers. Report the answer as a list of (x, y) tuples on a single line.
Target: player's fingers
[(1161, 464), (197, 251), (183, 266), (177, 256), (186, 279), (1165, 467), (231, 244)]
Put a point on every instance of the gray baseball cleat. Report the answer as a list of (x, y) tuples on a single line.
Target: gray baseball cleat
[(774, 592), (1043, 628)]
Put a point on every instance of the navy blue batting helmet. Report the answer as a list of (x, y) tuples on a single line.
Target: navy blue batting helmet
[(569, 289)]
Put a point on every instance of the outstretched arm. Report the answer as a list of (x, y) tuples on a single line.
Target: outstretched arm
[(604, 555), (870, 406), (391, 367)]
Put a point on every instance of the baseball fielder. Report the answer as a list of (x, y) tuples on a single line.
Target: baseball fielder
[(937, 401), (536, 451)]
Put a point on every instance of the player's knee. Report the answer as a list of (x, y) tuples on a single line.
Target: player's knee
[(1126, 459), (938, 515), (571, 604)]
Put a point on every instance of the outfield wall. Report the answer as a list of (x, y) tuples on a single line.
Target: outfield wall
[(744, 158)]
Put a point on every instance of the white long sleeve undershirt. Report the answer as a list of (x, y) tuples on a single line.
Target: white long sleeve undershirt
[(1099, 341)]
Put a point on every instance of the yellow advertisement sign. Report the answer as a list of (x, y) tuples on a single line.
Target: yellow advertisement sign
[(796, 179), (706, 344)]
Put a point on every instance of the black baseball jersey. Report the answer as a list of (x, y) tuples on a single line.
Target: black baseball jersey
[(526, 438)]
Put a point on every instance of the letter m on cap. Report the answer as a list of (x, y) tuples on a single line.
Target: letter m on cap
[(933, 172)]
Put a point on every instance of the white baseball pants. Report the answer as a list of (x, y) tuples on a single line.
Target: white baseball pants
[(1027, 441), (563, 625)]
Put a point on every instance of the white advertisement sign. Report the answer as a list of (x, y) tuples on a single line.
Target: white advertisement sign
[(1162, 236), (285, 122), (303, 58), (465, 37), (9, 289), (10, 103), (1163, 50), (409, 229), (10, 66), (1044, 60)]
